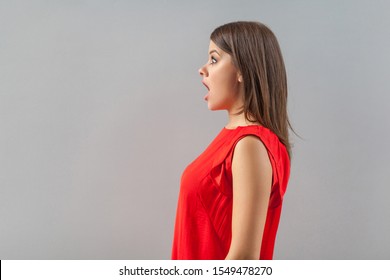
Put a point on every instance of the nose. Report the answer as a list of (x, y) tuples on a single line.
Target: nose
[(203, 71)]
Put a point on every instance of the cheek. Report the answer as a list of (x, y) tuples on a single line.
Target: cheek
[(228, 86), (224, 81), (224, 94)]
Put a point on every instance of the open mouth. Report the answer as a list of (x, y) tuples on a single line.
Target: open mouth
[(206, 85)]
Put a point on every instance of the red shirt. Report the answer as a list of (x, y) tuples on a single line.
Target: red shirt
[(204, 211)]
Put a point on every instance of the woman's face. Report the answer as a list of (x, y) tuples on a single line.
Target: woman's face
[(223, 81)]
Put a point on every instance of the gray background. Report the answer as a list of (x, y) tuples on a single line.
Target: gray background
[(101, 109)]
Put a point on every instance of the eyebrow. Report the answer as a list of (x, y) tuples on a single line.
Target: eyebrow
[(212, 51)]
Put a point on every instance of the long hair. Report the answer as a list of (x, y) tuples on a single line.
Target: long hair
[(256, 54)]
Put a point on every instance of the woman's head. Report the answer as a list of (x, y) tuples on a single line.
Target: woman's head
[(223, 81), (255, 53)]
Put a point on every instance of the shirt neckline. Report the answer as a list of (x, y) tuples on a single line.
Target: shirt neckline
[(240, 126)]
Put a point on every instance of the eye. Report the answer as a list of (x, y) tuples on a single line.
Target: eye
[(213, 60)]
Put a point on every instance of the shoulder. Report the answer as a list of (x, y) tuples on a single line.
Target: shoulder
[(250, 149), (250, 144)]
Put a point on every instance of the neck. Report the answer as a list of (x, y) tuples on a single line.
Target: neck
[(238, 120)]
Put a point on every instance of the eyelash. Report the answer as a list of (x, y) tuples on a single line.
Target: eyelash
[(213, 60)]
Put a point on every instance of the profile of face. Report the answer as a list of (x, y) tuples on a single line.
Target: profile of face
[(223, 81)]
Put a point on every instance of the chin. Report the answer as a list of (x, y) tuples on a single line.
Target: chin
[(216, 107), (213, 108)]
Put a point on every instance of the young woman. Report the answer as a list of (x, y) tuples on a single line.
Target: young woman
[(231, 196)]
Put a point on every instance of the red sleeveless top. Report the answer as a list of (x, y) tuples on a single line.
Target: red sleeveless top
[(204, 210)]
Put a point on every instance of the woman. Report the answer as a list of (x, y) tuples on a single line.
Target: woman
[(231, 196)]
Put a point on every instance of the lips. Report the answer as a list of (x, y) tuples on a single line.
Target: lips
[(204, 83), (206, 97)]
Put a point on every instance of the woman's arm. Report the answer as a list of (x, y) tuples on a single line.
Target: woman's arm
[(252, 180)]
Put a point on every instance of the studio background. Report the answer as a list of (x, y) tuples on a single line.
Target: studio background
[(101, 109)]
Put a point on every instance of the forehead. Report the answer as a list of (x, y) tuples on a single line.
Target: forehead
[(213, 46)]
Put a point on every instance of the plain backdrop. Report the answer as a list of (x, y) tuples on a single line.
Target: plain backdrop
[(101, 109)]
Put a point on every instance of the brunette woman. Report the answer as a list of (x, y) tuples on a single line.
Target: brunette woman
[(231, 196)]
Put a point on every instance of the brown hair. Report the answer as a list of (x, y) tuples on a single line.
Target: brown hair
[(256, 54)]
